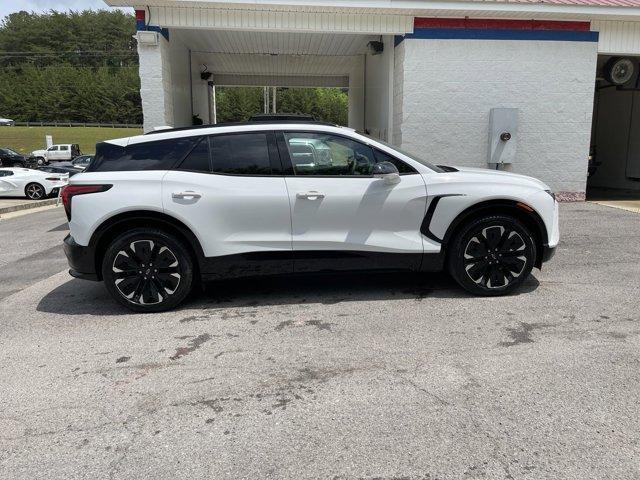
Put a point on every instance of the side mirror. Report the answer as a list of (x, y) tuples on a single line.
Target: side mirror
[(386, 171)]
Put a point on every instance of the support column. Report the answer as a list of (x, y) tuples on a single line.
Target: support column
[(155, 83), (356, 95)]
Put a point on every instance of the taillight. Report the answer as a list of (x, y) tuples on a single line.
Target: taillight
[(70, 191), (53, 179)]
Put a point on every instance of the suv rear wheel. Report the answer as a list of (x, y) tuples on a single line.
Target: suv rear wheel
[(147, 270), (492, 255)]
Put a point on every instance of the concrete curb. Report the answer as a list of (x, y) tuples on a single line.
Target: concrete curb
[(26, 206)]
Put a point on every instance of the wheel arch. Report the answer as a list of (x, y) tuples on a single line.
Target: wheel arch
[(122, 222), (519, 210)]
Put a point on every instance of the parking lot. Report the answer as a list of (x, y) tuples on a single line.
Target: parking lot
[(351, 377)]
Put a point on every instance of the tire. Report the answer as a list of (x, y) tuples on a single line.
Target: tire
[(492, 255), (132, 279), (19, 165), (35, 191)]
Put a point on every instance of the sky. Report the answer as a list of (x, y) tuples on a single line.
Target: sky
[(10, 6)]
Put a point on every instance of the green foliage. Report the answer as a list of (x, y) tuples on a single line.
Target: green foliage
[(82, 67), (76, 67), (87, 39), (236, 104)]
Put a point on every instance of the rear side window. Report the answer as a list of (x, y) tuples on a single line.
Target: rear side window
[(241, 154), (198, 159), (158, 155)]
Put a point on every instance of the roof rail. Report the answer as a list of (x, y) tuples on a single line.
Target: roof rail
[(241, 124)]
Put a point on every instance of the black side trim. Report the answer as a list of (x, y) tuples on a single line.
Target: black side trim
[(80, 258), (313, 261), (426, 222), (350, 260), (249, 264)]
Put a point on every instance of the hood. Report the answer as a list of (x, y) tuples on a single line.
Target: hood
[(500, 176)]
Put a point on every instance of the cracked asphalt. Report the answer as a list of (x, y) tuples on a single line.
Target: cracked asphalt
[(351, 377)]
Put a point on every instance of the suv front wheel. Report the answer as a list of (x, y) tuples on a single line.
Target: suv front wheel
[(147, 270), (492, 255)]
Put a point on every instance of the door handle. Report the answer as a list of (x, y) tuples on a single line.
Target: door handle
[(186, 195), (310, 195)]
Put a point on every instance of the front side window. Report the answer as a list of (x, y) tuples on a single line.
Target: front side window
[(402, 167), (158, 155), (240, 154), (315, 153), (52, 149)]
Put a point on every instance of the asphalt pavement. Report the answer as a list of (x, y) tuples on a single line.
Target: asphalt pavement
[(350, 377)]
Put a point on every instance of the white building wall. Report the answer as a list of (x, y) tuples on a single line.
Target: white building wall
[(379, 91), (356, 93), (179, 62), (156, 89), (449, 86)]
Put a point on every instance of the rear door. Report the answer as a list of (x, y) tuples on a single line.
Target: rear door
[(230, 191), (342, 217)]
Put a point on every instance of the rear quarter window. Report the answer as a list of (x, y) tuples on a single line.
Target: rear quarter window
[(158, 155)]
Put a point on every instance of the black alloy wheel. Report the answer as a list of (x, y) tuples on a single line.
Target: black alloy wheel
[(492, 255), (148, 270)]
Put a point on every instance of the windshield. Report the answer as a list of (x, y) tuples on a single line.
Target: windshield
[(430, 165), (11, 152)]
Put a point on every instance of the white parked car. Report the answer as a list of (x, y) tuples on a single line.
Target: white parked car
[(6, 122), (33, 184), (153, 214), (57, 153)]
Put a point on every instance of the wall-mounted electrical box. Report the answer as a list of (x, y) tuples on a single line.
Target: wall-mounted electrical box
[(503, 135)]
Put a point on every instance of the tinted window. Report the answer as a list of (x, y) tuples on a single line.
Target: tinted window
[(5, 173), (241, 154), (400, 165), (158, 155), (326, 154), (64, 147), (198, 159)]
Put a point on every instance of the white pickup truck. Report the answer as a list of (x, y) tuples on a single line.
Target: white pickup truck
[(57, 153)]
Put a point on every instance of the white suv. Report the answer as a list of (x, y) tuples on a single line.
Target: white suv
[(153, 214)]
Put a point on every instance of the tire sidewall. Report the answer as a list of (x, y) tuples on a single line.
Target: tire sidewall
[(456, 257), (176, 246)]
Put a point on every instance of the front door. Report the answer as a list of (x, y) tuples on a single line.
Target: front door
[(342, 217), (229, 190)]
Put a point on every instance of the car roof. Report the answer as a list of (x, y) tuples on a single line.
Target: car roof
[(200, 130)]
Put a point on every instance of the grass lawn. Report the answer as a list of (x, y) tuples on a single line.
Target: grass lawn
[(27, 139)]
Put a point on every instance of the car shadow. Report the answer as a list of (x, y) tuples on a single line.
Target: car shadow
[(79, 297)]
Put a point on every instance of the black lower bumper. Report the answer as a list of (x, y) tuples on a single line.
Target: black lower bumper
[(548, 253), (81, 259)]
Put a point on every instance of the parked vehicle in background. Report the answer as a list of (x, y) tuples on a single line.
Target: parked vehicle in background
[(6, 122), (155, 213), (11, 158), (57, 153), (71, 171), (33, 184), (82, 161)]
